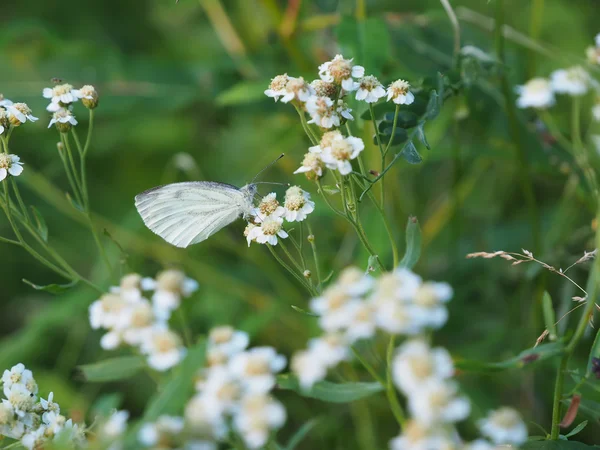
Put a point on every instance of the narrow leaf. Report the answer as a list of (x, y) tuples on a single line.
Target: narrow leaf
[(577, 429), (330, 392), (549, 316), (413, 243), (555, 445), (300, 434), (302, 311), (433, 106), (40, 224), (113, 369), (410, 153), (594, 354), (243, 92), (51, 288), (74, 203)]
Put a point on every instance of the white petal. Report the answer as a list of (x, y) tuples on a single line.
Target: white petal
[(16, 170), (3, 174), (47, 93)]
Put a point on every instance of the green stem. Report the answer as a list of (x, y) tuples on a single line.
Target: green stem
[(369, 367), (290, 257), (381, 150), (513, 123), (187, 333), (290, 270), (74, 187), (88, 139), (394, 126), (324, 195), (313, 246), (309, 132), (20, 200), (71, 160), (455, 26), (580, 152)]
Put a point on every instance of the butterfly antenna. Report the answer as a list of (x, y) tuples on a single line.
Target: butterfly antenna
[(268, 166)]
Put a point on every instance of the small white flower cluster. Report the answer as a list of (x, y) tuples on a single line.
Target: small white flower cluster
[(323, 98), (267, 224), (12, 115), (62, 97), (334, 152), (132, 319), (234, 391), (23, 417), (110, 431), (574, 81), (357, 305)]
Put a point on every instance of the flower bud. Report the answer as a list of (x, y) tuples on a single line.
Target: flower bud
[(310, 238), (60, 146), (89, 96), (307, 274)]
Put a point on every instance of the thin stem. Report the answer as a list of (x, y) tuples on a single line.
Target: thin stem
[(74, 187), (333, 208), (391, 390), (88, 139), (369, 367), (290, 257), (289, 269), (187, 333), (313, 246), (394, 126), (309, 132), (66, 141), (580, 152), (20, 200), (455, 26), (381, 150)]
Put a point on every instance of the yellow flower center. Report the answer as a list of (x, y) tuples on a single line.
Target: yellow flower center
[(341, 150), (5, 161), (61, 89), (340, 69), (221, 335), (279, 82), (268, 206)]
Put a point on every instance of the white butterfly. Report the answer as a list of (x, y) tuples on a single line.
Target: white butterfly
[(187, 213)]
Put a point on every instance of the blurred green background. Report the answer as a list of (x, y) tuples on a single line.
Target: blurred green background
[(181, 98)]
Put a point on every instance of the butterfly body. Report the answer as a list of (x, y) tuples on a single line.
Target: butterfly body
[(188, 213)]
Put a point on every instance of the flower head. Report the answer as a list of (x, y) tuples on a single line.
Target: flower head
[(268, 230), (277, 86), (256, 416), (164, 348), (89, 96), (298, 204), (572, 81), (255, 368), (324, 88), (228, 340), (10, 165), (342, 72), (399, 93), (504, 427), (341, 152), (369, 89), (436, 402), (19, 113), (536, 93), (312, 166), (322, 112), (60, 96), (64, 120), (297, 89), (269, 206)]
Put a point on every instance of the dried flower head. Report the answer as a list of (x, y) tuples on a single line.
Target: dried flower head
[(324, 88), (312, 166), (342, 72), (19, 113), (369, 89), (399, 93), (89, 96), (277, 87)]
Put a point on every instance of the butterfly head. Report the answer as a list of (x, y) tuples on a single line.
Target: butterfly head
[(249, 192)]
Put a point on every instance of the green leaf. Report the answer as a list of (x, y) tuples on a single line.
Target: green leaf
[(410, 153), (577, 429), (51, 288), (433, 106), (113, 369), (179, 387), (527, 358), (594, 353), (40, 224), (368, 41), (549, 316), (243, 93), (330, 392), (302, 311), (300, 434), (421, 135), (380, 110), (406, 119), (555, 445), (413, 243), (106, 403)]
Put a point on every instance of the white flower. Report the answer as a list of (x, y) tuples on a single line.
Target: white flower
[(62, 93), (322, 112), (170, 286), (4, 102), (141, 318), (203, 420), (64, 119), (200, 445), (396, 317), (341, 71), (429, 304), (268, 206), (341, 152), (9, 425), (34, 439), (369, 89), (308, 367), (19, 113), (21, 398), (130, 287), (115, 425), (504, 426), (54, 422), (256, 417), (112, 340), (150, 434), (536, 93), (312, 166), (109, 312), (49, 405), (572, 81), (415, 436), (297, 88), (255, 368), (361, 321), (277, 87), (399, 93), (330, 349), (436, 402), (344, 110), (354, 281), (479, 444), (89, 96), (228, 340), (268, 230), (163, 347), (10, 165), (415, 363), (324, 88), (298, 204), (221, 391), (16, 375)]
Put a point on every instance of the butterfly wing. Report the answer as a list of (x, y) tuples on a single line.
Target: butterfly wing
[(187, 213)]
